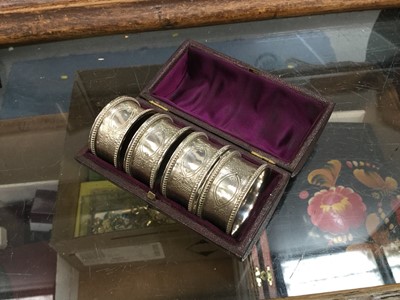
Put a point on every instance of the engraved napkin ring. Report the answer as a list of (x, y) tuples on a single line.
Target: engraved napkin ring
[(111, 126), (188, 168), (231, 191), (149, 146), (211, 181)]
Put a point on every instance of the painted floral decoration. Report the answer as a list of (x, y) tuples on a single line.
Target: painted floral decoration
[(380, 224), (336, 210), (339, 212)]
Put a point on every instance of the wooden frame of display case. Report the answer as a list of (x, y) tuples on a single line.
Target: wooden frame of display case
[(32, 21), (45, 20), (390, 292)]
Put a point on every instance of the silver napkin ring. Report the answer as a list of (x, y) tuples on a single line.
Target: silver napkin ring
[(211, 181), (232, 187), (111, 126), (149, 146), (188, 167)]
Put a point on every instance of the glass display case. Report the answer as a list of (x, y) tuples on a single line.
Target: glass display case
[(68, 233)]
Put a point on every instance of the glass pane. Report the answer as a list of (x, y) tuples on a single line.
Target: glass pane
[(346, 270), (336, 226)]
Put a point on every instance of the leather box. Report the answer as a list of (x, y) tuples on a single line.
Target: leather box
[(267, 120)]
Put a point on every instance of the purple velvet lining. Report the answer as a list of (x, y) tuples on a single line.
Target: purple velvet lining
[(260, 111)]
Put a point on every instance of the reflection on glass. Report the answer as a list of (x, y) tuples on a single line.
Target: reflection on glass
[(43, 297), (338, 271), (103, 207), (392, 252)]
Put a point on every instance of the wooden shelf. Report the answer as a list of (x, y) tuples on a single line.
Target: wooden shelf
[(34, 21)]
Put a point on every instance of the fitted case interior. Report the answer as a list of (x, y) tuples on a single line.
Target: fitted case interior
[(234, 104), (258, 111)]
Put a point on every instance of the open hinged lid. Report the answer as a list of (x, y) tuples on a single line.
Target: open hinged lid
[(263, 115), (234, 104)]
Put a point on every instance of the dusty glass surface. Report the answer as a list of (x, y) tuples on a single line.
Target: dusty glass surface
[(336, 227)]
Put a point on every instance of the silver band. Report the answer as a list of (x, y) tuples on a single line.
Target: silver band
[(197, 190), (111, 126), (254, 184), (212, 176), (232, 183), (148, 147), (168, 144), (188, 167), (100, 118)]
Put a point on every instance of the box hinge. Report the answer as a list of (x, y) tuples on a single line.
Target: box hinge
[(151, 196), (263, 157), (262, 275), (158, 105)]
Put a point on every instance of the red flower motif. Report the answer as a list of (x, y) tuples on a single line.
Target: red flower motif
[(336, 210)]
